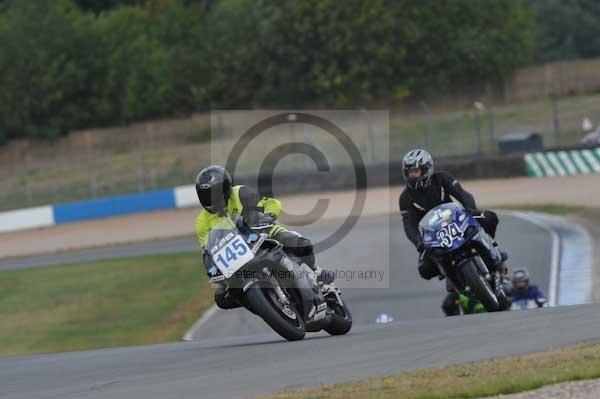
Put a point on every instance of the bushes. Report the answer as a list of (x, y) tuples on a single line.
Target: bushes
[(327, 51), (44, 68), (462, 43), (134, 67), (566, 29), (332, 53), (69, 64), (64, 69)]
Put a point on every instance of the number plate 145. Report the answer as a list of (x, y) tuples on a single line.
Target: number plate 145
[(235, 254)]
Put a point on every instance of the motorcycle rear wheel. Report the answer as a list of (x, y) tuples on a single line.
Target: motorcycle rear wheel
[(341, 320)]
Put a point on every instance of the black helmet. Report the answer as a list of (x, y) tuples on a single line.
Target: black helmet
[(520, 276), (213, 186), (417, 159)]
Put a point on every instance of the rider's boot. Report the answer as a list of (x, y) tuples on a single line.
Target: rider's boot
[(451, 304), (324, 276)]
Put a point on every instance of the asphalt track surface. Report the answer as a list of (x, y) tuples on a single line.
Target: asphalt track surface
[(237, 356)]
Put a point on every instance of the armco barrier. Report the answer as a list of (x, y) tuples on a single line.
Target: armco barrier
[(114, 206), (51, 215), (339, 178), (563, 162), (30, 218)]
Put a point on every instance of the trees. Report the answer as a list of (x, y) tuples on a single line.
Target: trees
[(98, 6), (566, 29), (67, 64), (133, 76), (46, 70), (461, 43), (326, 51), (226, 61), (62, 69)]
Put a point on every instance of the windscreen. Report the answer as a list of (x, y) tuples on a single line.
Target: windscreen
[(220, 234), (439, 217)]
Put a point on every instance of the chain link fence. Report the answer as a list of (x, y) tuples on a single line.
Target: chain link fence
[(154, 155)]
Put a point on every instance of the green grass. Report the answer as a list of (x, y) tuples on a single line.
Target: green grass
[(121, 302), (474, 380)]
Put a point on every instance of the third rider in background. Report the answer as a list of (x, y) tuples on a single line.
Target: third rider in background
[(523, 294)]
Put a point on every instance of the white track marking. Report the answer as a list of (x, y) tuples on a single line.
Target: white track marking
[(189, 335), (555, 257)]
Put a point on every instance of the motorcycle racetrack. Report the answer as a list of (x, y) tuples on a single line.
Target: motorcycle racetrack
[(234, 354)]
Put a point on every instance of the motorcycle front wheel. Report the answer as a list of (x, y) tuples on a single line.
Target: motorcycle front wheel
[(341, 319), (285, 320), (479, 286)]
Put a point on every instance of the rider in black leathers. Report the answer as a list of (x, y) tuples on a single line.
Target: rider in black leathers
[(426, 189)]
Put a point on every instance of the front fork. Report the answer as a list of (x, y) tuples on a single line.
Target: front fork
[(495, 277), (487, 244)]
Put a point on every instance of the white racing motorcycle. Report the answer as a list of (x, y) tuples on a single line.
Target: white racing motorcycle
[(273, 284)]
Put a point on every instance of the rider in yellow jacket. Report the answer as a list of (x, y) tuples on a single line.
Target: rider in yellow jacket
[(220, 198), (235, 205)]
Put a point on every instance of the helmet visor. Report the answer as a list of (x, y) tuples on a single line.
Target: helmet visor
[(212, 200), (520, 284), (415, 173)]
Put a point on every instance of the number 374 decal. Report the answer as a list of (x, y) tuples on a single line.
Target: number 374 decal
[(449, 234)]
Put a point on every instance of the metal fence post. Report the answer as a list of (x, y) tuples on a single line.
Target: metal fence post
[(28, 188), (492, 122), (140, 172), (492, 126), (429, 131), (153, 178), (479, 142), (555, 120), (94, 185), (370, 135), (491, 116), (89, 141), (29, 192)]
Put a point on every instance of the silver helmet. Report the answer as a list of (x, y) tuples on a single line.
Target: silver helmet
[(417, 159), (520, 275)]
